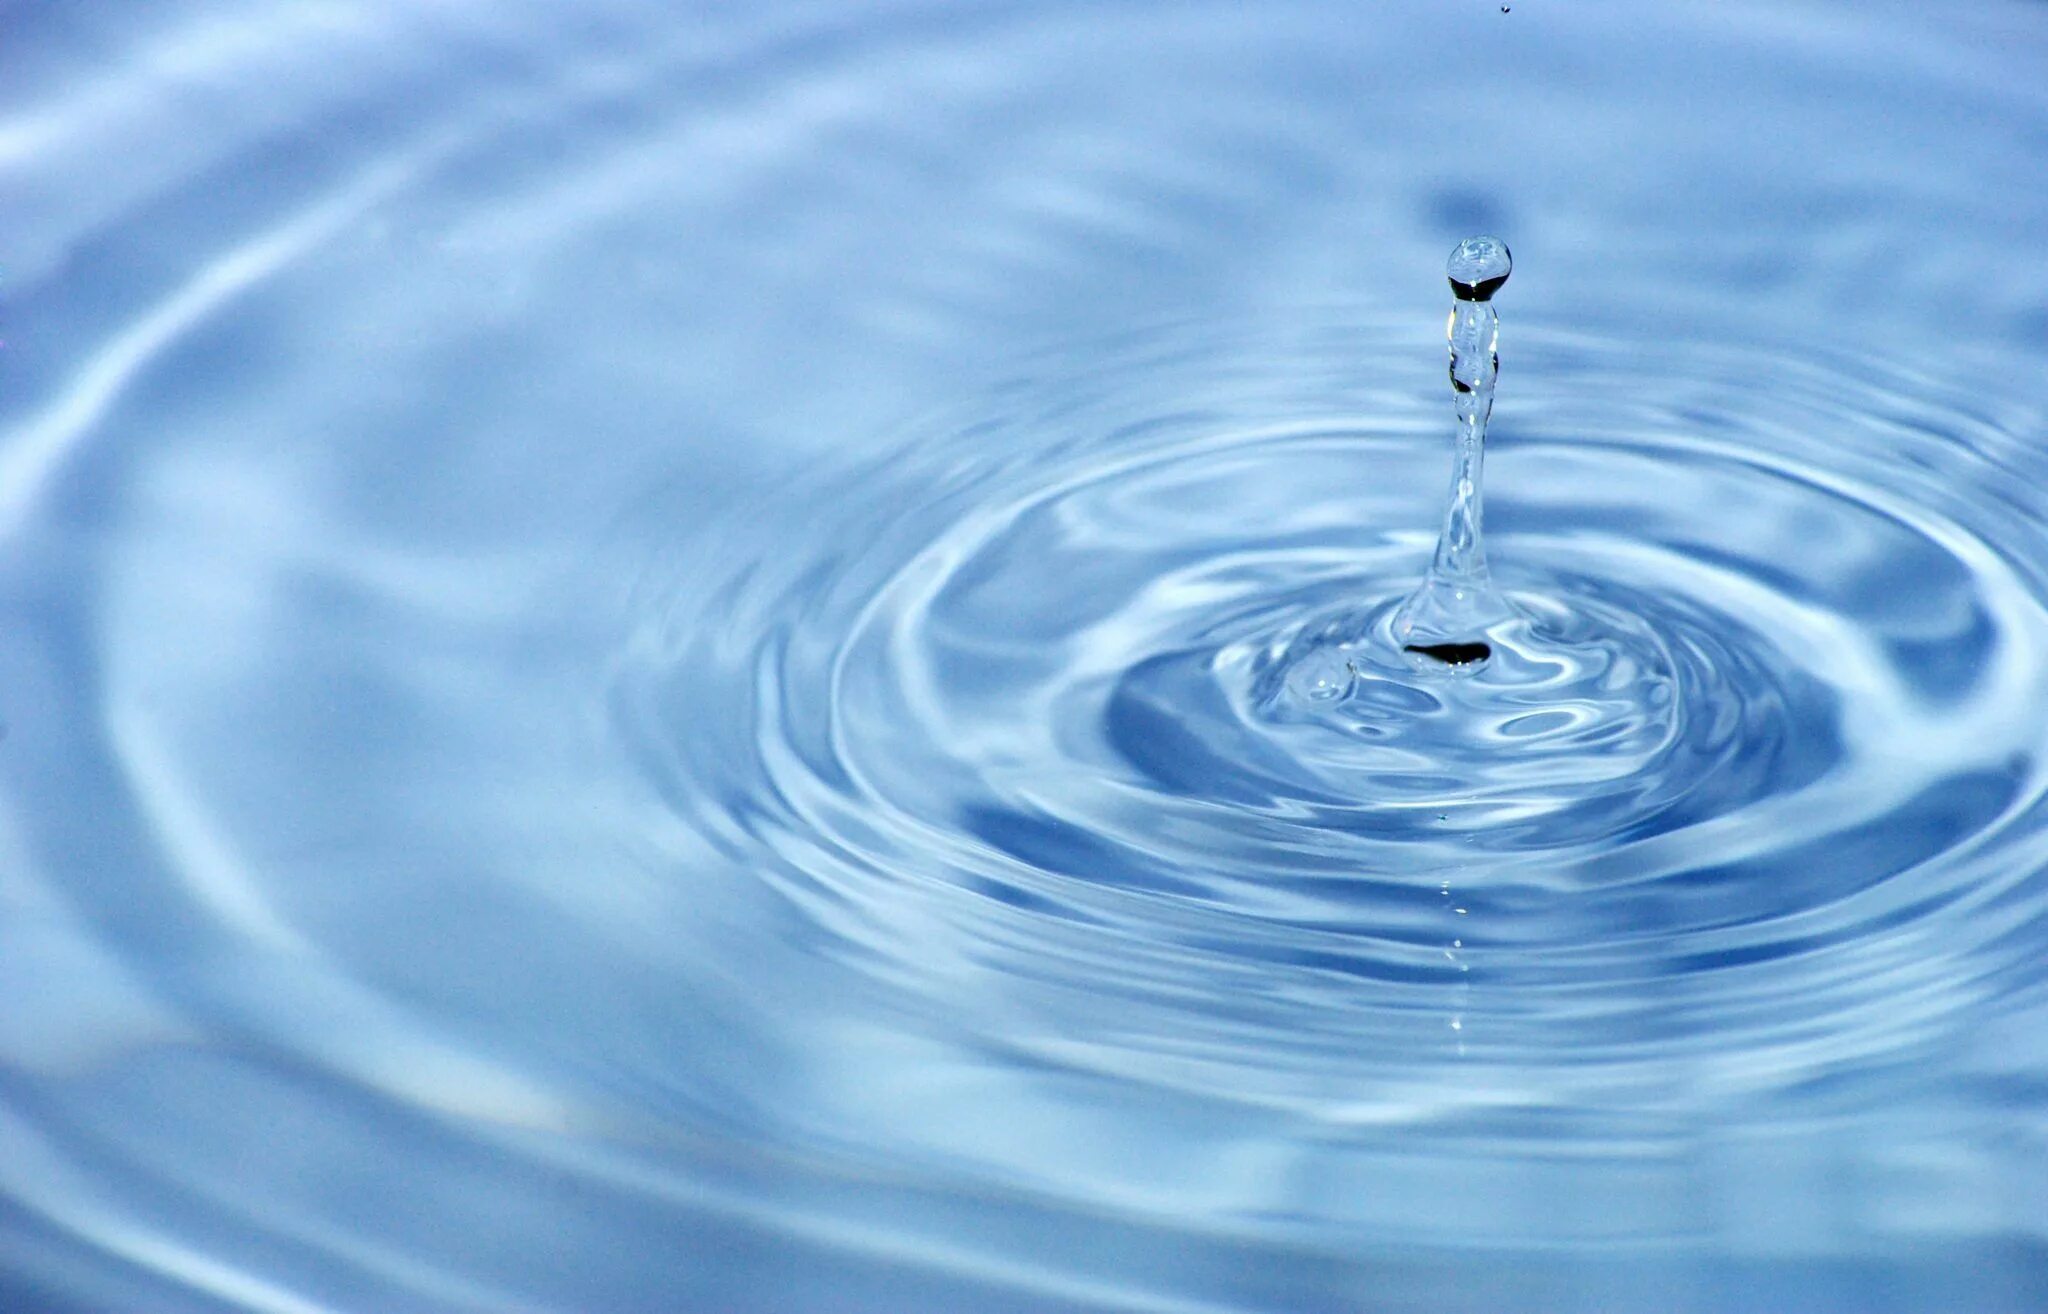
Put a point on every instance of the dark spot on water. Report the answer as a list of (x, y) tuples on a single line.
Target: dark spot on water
[(1452, 654)]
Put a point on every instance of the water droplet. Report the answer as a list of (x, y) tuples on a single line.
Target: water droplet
[(1477, 268), (1321, 677)]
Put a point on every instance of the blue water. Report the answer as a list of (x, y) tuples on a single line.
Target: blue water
[(644, 652)]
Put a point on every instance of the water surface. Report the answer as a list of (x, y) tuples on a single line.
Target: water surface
[(643, 653)]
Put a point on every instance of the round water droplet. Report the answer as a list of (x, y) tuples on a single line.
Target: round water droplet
[(1322, 677), (1477, 268)]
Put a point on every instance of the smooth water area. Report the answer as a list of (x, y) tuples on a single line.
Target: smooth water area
[(653, 658)]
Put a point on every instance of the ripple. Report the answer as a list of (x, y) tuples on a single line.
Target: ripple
[(1029, 710), (960, 878)]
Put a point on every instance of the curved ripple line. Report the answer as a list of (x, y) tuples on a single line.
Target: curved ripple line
[(1018, 737), (38, 447), (60, 1196)]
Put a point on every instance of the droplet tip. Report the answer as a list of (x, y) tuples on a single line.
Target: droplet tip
[(1478, 267)]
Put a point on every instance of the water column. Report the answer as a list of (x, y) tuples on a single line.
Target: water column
[(1444, 621)]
